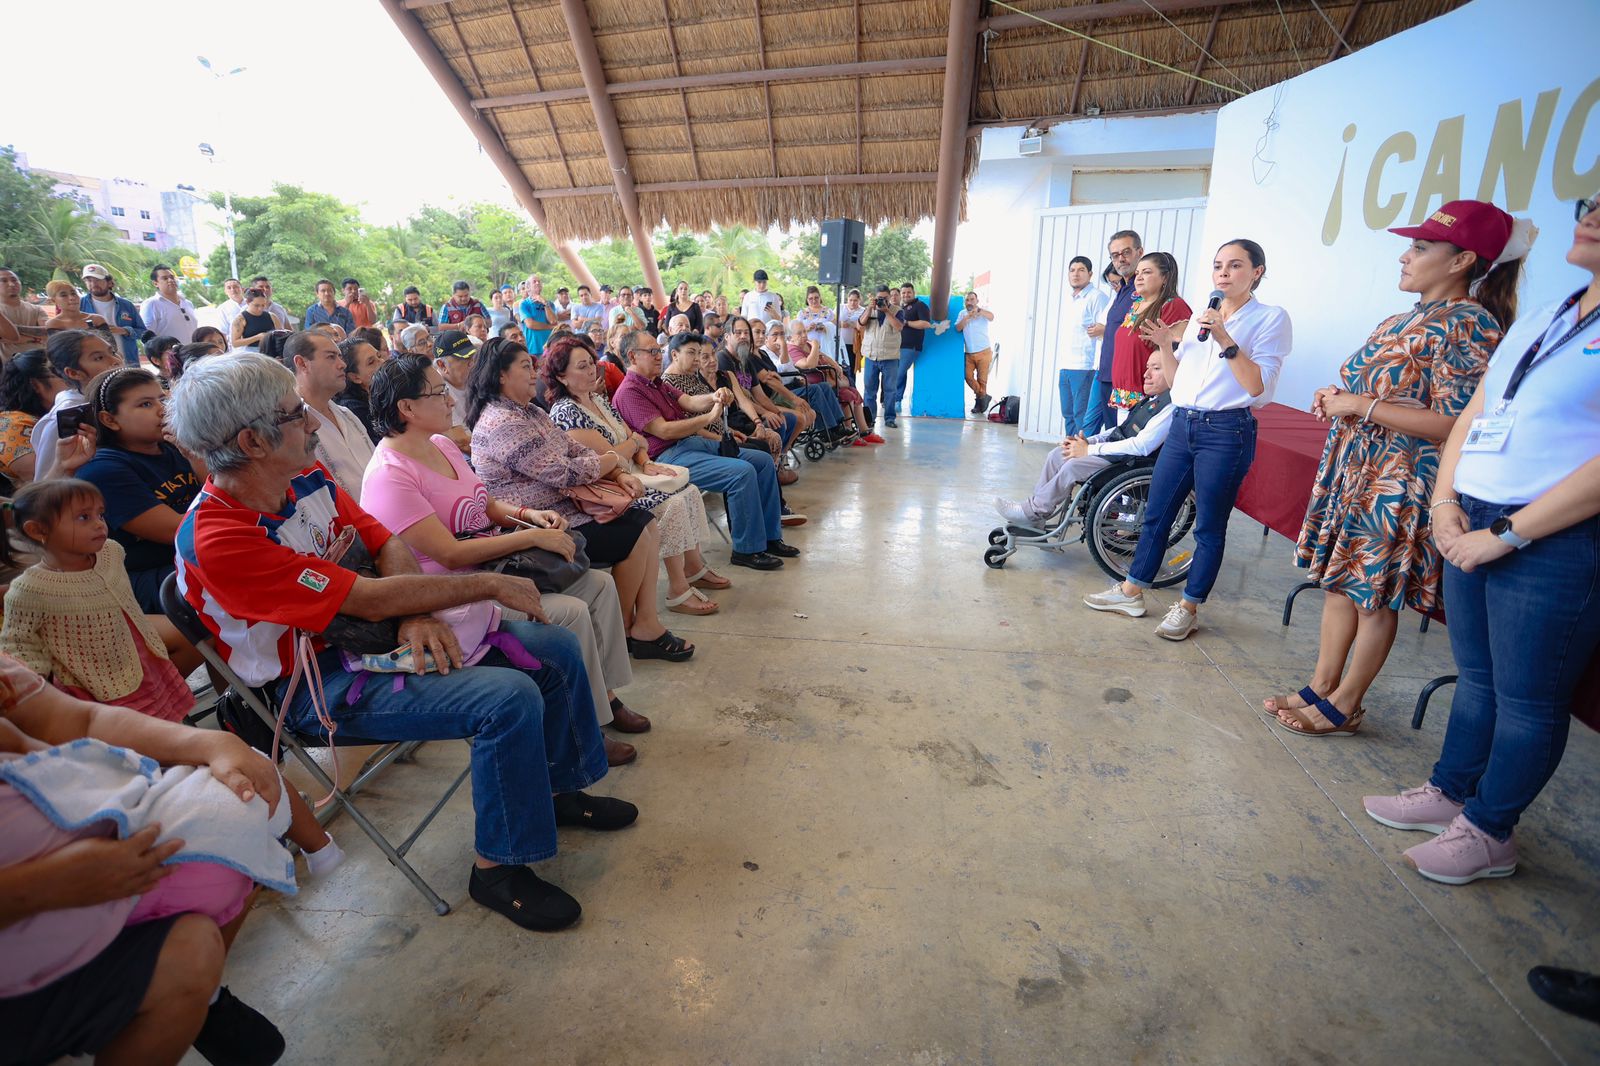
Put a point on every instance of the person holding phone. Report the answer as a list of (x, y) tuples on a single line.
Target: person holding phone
[(536, 317), (76, 356)]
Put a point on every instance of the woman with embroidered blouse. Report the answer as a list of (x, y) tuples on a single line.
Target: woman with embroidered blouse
[(1367, 538), (579, 406), (528, 462)]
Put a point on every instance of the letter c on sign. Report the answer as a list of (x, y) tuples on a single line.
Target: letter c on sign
[(1401, 146), (1564, 178)]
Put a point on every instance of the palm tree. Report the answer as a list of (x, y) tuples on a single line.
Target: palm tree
[(728, 257), (65, 235)]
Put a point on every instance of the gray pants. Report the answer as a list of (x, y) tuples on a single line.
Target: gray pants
[(590, 609), (1058, 477)]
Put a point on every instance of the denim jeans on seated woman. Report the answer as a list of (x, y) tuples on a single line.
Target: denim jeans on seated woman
[(824, 401), (533, 733), (1209, 452), (1523, 628)]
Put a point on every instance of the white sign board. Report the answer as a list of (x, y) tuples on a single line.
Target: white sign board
[(1498, 100)]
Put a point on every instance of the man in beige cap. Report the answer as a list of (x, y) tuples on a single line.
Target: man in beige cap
[(120, 315)]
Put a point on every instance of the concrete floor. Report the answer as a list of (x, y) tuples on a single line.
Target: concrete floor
[(906, 809)]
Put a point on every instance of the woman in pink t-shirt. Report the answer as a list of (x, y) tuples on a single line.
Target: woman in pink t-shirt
[(419, 485)]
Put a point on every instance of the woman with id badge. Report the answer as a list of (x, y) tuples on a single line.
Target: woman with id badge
[(1515, 514), (1366, 538)]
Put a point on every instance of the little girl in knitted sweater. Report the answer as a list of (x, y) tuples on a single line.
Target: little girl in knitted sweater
[(73, 618)]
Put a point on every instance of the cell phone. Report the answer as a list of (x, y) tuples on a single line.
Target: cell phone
[(70, 419)]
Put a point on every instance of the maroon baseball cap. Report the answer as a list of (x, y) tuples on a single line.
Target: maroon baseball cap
[(1471, 225)]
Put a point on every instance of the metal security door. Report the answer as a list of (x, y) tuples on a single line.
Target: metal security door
[(1060, 233)]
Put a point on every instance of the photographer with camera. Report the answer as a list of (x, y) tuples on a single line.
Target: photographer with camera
[(880, 349)]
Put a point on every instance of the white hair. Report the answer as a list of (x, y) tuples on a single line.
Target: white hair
[(217, 399), (411, 335)]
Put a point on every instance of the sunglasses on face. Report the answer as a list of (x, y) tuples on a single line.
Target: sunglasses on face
[(1584, 208)]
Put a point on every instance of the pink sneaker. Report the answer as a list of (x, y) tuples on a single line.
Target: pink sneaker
[(1415, 808), (1463, 853)]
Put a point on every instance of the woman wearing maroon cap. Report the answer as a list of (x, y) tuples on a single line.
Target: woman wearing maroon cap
[(1366, 537), (1517, 516)]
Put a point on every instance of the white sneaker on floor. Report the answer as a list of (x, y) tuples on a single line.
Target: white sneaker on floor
[(1014, 513), (1114, 599), (1179, 622)]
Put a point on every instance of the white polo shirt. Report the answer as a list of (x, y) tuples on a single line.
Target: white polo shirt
[(1206, 382), (755, 304), (167, 319), (975, 334), (1081, 309), (1556, 410)]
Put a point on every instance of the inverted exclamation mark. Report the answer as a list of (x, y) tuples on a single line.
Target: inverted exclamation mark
[(1335, 216)]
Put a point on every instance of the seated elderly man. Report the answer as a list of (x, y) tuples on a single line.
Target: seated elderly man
[(257, 560), (1141, 433), (670, 421)]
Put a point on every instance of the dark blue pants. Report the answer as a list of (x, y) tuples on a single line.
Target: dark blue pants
[(1522, 628), (1209, 452)]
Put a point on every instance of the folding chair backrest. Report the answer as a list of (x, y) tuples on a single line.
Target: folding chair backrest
[(180, 614)]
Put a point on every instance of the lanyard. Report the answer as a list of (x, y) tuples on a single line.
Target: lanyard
[(1530, 357)]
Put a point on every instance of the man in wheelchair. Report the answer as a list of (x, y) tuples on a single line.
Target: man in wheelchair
[(258, 562), (1140, 434)]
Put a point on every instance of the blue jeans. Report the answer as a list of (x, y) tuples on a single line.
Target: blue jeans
[(1522, 628), (908, 359), (824, 401), (1101, 415), (533, 733), (1209, 452), (881, 375), (1077, 389), (748, 483)]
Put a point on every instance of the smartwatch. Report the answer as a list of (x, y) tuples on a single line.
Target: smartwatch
[(1229, 352), (1501, 527)]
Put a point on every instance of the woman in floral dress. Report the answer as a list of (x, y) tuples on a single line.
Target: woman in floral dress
[(1367, 538)]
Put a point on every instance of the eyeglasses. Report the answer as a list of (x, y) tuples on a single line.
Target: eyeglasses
[(641, 350), (300, 414), (1585, 207), (434, 394)]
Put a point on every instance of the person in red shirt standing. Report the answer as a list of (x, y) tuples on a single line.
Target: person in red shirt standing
[(1155, 283)]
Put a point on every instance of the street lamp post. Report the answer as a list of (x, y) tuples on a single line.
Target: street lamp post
[(211, 154)]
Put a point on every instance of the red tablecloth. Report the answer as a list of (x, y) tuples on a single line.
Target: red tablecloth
[(1278, 488)]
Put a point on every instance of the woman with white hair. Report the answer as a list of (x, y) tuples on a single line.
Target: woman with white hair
[(416, 340)]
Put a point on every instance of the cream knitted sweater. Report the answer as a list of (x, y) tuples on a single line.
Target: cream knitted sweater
[(70, 627)]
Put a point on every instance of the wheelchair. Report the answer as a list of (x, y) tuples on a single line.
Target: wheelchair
[(815, 443), (1105, 511)]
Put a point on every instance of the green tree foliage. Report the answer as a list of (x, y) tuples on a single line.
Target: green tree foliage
[(673, 250), (893, 257)]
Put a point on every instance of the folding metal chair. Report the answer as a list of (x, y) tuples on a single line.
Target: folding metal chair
[(264, 704), (721, 527)]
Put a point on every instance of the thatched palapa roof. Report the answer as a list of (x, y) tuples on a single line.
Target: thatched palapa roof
[(720, 118)]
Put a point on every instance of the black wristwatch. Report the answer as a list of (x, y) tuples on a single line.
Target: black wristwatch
[(1229, 352), (1501, 527)]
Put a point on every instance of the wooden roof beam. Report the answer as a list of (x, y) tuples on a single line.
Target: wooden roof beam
[(581, 34), (874, 68), (961, 60), (488, 140), (922, 177), (1200, 63), (683, 97), (1113, 9), (1344, 34)]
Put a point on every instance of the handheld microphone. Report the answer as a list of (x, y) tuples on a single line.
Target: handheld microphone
[(1211, 304)]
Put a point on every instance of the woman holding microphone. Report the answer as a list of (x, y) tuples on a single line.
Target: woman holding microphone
[(1515, 514), (1216, 380)]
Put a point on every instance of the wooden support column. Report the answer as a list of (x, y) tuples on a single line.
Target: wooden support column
[(961, 54), (605, 117), (487, 138)]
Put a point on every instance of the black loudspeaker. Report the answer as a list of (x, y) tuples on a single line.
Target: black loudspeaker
[(844, 240)]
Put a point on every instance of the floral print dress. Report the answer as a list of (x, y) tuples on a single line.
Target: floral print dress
[(1366, 532)]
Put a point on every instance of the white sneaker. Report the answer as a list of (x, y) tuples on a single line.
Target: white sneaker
[(1179, 622), (1114, 599), (1014, 513)]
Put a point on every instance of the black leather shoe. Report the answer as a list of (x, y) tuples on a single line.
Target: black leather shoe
[(593, 812), (782, 550), (756, 560), (519, 894), (1573, 991)]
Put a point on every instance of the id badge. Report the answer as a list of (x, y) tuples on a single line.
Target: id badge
[(1488, 433)]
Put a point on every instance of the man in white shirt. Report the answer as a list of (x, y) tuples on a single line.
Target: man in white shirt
[(626, 312), (167, 313), (1141, 433), (452, 355), (1080, 350), (28, 318), (342, 442), (233, 306), (973, 325), (758, 304)]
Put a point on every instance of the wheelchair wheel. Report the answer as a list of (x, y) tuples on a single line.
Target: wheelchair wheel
[(997, 535), (815, 449), (1113, 529), (995, 558)]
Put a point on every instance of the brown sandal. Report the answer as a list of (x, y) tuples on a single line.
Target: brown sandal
[(709, 579), (692, 602), (1337, 723)]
